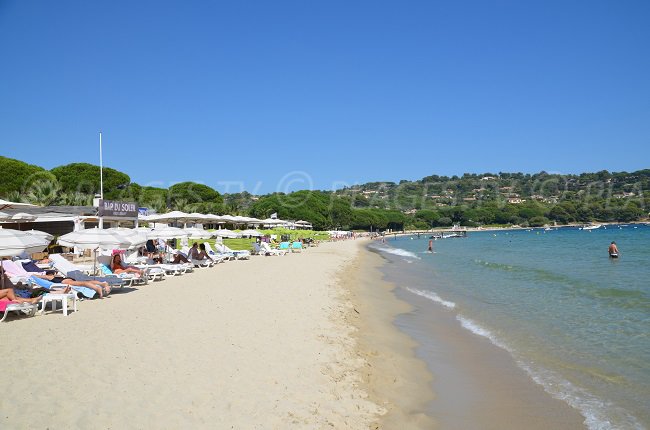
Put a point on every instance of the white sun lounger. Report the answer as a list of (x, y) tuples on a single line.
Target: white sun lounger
[(64, 266), (267, 250), (238, 254)]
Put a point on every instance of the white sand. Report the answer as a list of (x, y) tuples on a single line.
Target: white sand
[(245, 345)]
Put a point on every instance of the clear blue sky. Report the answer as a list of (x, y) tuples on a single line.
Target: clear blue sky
[(344, 91)]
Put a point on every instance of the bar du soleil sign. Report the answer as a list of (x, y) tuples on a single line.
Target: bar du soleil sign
[(109, 208)]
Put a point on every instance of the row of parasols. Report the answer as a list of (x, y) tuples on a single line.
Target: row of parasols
[(178, 216), (16, 242)]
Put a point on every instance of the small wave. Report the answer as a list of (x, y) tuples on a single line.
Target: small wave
[(598, 414), (399, 251), (432, 296)]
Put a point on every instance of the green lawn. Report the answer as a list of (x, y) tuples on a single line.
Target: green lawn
[(247, 244)]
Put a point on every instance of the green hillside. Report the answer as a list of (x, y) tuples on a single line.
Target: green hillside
[(434, 201)]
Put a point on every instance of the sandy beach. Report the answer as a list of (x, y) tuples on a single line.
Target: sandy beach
[(248, 344)]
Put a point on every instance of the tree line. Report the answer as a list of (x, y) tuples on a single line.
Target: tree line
[(434, 201)]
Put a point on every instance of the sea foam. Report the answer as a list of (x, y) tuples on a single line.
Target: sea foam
[(433, 297), (399, 251), (598, 413)]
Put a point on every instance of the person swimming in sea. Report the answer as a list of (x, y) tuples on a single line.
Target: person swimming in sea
[(613, 250)]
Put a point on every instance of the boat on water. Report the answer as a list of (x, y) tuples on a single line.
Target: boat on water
[(591, 227)]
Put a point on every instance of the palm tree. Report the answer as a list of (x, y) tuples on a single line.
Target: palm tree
[(43, 192), (15, 196)]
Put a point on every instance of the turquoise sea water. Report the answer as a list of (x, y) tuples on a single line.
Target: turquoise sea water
[(575, 320)]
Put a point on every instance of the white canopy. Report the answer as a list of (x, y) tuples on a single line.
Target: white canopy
[(15, 242), (250, 233), (22, 216), (135, 237), (94, 238), (167, 233), (41, 234), (224, 232), (167, 217), (198, 233)]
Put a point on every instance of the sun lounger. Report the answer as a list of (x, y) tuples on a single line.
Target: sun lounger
[(14, 272), (200, 263), (78, 273), (225, 256), (44, 283), (130, 279), (167, 268), (64, 266), (239, 254), (7, 306), (296, 247), (267, 250)]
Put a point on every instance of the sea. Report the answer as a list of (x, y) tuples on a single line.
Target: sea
[(576, 321)]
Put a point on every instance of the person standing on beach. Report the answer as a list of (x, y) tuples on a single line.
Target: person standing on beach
[(613, 250)]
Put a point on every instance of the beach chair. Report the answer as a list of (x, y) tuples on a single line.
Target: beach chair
[(44, 283), (267, 250), (198, 263), (154, 271), (256, 249), (64, 266), (296, 247), (130, 280), (239, 254), (7, 306), (225, 256), (284, 246), (15, 272)]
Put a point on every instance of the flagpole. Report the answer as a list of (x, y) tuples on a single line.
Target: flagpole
[(101, 179)]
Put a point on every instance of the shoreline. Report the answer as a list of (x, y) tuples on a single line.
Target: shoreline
[(476, 383), (393, 376)]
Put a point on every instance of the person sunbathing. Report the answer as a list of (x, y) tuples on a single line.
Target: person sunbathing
[(199, 255), (117, 267), (101, 288), (7, 292), (180, 258)]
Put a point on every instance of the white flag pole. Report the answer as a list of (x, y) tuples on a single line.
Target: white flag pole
[(101, 179)]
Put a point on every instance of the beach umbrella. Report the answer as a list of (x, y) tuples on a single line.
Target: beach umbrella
[(22, 216), (228, 218), (196, 217), (198, 233), (135, 237), (224, 232), (168, 217), (38, 233), (94, 238), (16, 242), (167, 233), (251, 233)]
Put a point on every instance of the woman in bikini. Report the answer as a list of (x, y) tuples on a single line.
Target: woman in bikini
[(117, 267)]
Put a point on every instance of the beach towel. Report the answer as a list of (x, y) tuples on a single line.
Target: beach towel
[(85, 291), (80, 276)]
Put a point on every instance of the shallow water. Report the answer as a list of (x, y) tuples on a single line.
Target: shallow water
[(575, 320)]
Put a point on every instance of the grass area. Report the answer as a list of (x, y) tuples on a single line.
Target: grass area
[(247, 244)]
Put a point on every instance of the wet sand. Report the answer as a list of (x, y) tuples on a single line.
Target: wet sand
[(476, 384)]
